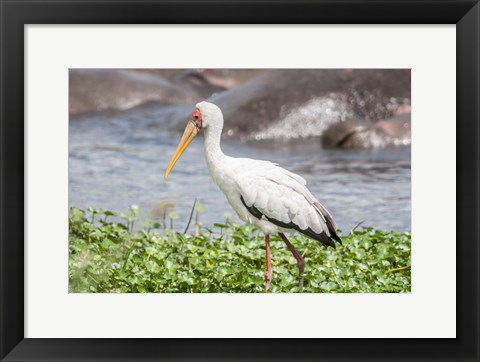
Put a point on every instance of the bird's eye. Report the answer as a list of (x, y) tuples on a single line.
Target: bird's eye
[(197, 117)]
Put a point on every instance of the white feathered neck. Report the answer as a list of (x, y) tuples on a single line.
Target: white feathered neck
[(212, 123)]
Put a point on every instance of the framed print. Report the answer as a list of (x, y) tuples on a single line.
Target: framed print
[(101, 258)]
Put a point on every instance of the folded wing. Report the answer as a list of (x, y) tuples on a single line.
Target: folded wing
[(282, 197)]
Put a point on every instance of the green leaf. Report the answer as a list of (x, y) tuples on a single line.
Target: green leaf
[(107, 257)]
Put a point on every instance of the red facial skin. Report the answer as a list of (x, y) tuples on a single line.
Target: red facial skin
[(197, 118)]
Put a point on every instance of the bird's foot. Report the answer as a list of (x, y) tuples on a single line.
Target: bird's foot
[(300, 284)]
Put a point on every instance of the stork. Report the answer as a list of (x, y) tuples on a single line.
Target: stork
[(262, 194)]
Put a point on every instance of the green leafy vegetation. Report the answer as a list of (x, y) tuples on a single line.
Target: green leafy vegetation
[(107, 255)]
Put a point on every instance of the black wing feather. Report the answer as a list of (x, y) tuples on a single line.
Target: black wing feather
[(322, 237)]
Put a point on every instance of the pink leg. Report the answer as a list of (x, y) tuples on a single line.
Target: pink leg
[(300, 261), (268, 274)]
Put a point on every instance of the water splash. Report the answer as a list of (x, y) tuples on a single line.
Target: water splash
[(310, 119)]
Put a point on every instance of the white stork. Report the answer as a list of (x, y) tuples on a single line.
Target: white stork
[(261, 193)]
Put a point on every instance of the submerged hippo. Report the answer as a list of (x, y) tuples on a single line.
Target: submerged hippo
[(93, 90), (294, 99), (96, 90), (257, 104), (352, 134)]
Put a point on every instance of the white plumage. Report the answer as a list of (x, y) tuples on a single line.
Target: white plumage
[(272, 190), (261, 193)]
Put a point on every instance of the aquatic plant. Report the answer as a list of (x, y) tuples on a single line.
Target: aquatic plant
[(107, 255)]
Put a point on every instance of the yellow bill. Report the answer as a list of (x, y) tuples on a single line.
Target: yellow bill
[(189, 134)]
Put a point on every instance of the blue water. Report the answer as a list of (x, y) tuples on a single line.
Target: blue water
[(117, 161)]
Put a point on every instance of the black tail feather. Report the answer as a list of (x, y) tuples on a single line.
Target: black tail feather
[(333, 232)]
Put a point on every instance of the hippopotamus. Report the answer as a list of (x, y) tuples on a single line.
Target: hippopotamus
[(208, 82), (257, 104), (355, 134), (93, 90), (293, 98)]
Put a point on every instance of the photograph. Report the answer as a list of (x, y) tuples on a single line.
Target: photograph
[(218, 180), (240, 180)]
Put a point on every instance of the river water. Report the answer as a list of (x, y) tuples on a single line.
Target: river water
[(119, 160)]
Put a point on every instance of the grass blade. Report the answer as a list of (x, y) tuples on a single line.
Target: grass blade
[(191, 215)]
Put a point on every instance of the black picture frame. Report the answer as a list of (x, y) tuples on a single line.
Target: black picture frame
[(16, 14)]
